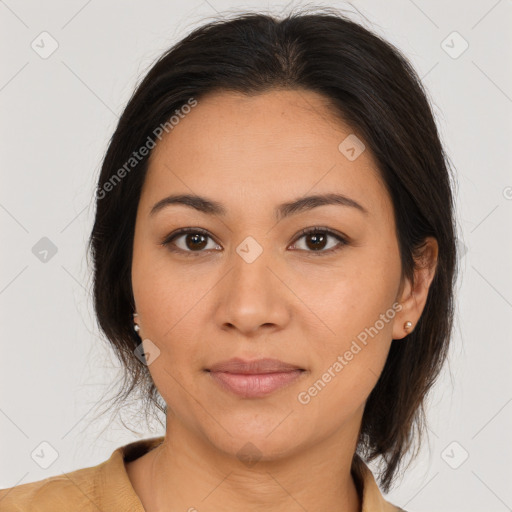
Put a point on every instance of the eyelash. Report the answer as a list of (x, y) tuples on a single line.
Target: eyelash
[(307, 231)]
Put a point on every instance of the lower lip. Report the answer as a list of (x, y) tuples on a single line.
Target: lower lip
[(255, 385)]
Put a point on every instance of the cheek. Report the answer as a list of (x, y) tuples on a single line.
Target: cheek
[(344, 301), (348, 363), (170, 311), (170, 300), (166, 293), (356, 310)]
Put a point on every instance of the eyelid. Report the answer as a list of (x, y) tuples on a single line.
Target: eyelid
[(183, 231), (342, 239)]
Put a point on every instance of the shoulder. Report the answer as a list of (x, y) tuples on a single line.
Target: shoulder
[(102, 487), (69, 491)]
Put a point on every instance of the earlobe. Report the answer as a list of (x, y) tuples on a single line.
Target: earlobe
[(414, 296), (403, 323), (136, 326)]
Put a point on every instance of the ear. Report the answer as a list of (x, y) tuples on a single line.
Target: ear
[(413, 296)]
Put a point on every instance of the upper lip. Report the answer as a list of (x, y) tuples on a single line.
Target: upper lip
[(257, 366)]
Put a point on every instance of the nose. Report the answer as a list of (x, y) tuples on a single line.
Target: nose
[(252, 297)]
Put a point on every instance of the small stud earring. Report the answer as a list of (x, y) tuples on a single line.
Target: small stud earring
[(407, 325), (136, 327)]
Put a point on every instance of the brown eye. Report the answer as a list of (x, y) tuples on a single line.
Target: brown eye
[(195, 241), (189, 240), (317, 240)]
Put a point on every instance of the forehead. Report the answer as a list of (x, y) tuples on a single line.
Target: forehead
[(274, 146)]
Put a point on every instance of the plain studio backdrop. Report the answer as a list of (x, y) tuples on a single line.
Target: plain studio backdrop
[(68, 69)]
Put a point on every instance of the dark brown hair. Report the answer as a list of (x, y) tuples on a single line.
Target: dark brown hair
[(373, 89)]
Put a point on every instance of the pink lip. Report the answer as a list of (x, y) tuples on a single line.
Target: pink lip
[(254, 379)]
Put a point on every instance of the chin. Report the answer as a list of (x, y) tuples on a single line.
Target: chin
[(251, 450), (263, 440)]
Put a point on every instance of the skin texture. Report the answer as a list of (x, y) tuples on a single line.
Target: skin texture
[(252, 153)]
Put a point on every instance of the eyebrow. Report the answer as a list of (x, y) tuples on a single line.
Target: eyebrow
[(210, 207)]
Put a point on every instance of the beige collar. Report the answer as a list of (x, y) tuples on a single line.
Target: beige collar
[(114, 486)]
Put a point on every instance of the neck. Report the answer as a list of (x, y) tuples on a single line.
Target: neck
[(188, 473)]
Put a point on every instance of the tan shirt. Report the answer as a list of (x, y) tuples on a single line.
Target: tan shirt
[(107, 488)]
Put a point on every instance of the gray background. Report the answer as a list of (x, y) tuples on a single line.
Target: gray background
[(58, 113)]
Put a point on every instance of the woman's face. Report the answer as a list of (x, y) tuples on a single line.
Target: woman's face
[(251, 286)]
